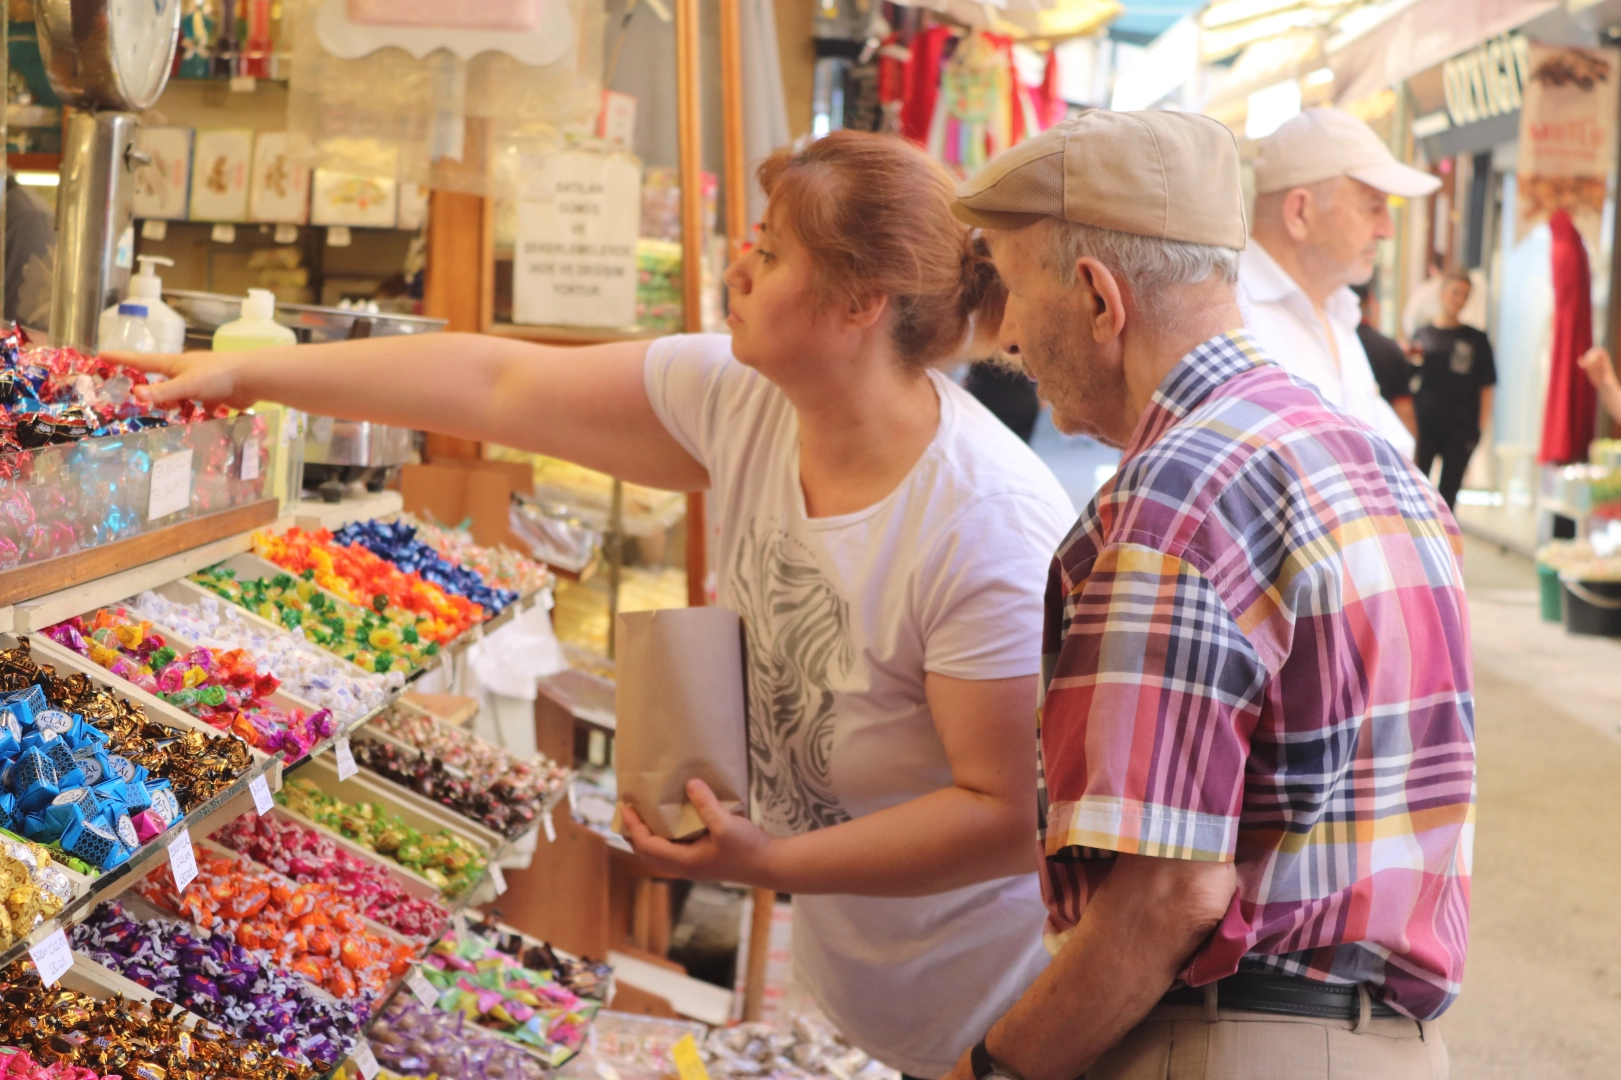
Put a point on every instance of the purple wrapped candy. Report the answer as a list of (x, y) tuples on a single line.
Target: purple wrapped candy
[(416, 1041), (219, 980)]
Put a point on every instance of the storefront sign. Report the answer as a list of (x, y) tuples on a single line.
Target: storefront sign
[(1488, 80), (1567, 137), (578, 220)]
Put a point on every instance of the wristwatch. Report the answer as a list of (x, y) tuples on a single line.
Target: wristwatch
[(984, 1068)]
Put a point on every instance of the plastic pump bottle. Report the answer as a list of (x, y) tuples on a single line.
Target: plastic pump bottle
[(257, 328), (128, 331), (146, 288)]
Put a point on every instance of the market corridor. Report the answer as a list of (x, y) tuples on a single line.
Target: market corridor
[(1542, 990)]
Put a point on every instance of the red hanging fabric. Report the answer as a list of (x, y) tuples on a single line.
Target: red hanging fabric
[(1570, 412), (1050, 107), (922, 78)]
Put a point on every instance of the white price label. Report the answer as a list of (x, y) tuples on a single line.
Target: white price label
[(573, 801), (551, 829), (250, 458), (171, 485), (286, 234), (424, 990), (338, 236), (259, 787), (182, 860), (52, 957), (346, 758), (365, 1060), (223, 234), (154, 229), (499, 878)]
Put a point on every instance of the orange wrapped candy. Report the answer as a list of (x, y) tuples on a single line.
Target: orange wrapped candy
[(308, 929)]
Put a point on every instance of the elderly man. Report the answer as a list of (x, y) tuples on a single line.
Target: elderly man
[(1322, 182), (1256, 744)]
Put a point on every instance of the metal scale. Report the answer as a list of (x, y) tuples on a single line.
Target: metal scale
[(109, 60)]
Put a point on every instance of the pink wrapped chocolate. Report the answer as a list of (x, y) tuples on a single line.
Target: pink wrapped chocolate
[(447, 14)]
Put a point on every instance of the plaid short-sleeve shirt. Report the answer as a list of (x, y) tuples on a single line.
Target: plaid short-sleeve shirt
[(1257, 651)]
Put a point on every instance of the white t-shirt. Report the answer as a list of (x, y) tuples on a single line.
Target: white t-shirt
[(844, 615), (1280, 315)]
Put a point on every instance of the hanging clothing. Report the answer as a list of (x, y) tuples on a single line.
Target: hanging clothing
[(973, 115), (1049, 105), (920, 80), (1570, 412)]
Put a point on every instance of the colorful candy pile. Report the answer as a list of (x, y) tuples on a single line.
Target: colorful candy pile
[(61, 395), (500, 566), (310, 930), (305, 671), (61, 785), (197, 767), (461, 771), (413, 1040), (362, 636), (16, 1064), (305, 856), (497, 992), (223, 688), (449, 862), (32, 889), (809, 1049), (362, 578), (133, 1039), (397, 543), (210, 975)]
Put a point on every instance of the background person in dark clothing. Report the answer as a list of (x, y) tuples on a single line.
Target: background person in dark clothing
[(1391, 369), (1008, 392), (1454, 399)]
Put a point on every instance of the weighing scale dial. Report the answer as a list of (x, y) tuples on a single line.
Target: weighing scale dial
[(109, 54)]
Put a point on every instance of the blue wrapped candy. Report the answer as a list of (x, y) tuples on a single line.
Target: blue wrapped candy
[(33, 780), (94, 764), (397, 543), (94, 842), (71, 807), (126, 770), (69, 726), (27, 702), (164, 803)]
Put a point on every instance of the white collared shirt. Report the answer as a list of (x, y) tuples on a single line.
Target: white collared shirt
[(1280, 315)]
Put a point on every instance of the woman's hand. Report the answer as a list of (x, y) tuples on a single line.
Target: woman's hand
[(212, 378), (1596, 363), (734, 849)]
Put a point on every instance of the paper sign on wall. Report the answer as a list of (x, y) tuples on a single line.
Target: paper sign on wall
[(578, 220), (1567, 137)]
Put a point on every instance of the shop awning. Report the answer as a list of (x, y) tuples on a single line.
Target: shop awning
[(1420, 35)]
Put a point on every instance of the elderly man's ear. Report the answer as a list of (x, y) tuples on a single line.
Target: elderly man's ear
[(1101, 298)]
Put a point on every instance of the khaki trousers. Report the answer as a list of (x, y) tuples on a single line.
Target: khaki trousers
[(1185, 1042)]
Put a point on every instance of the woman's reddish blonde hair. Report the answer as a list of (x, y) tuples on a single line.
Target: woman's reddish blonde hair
[(874, 212)]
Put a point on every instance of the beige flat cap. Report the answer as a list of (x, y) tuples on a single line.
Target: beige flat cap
[(1321, 144), (1155, 173)]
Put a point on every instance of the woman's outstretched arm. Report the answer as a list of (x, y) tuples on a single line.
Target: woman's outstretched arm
[(586, 404)]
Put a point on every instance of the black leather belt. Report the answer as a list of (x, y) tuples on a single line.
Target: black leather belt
[(1254, 991)]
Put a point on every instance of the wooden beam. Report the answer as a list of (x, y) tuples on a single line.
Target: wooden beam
[(689, 122), (457, 260), (735, 180)]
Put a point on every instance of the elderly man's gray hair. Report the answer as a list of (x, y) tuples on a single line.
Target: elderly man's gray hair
[(1148, 265)]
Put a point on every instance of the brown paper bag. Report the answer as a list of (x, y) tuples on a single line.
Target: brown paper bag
[(681, 715)]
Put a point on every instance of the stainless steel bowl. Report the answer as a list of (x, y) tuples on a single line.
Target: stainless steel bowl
[(206, 312)]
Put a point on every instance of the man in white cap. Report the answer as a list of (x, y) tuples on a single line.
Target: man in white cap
[(1322, 183)]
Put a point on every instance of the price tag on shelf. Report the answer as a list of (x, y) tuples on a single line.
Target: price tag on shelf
[(286, 234), (365, 1060), (182, 860), (424, 990), (498, 877), (223, 233), (259, 787), (687, 1061), (551, 829), (171, 485), (250, 458), (573, 801), (338, 236), (346, 758), (52, 957), (154, 229)]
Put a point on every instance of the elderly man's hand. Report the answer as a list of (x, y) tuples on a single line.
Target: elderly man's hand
[(734, 849)]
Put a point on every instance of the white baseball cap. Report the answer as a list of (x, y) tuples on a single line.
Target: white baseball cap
[(1320, 144)]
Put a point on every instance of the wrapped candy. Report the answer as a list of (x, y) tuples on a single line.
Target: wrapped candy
[(222, 687), (413, 1040), (306, 672), (809, 1049), (306, 856), (397, 543), (213, 977), (502, 567), (499, 792), (365, 637), (32, 888), (449, 862), (310, 930), (19, 1064), (134, 1040), (496, 991), (362, 578)]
